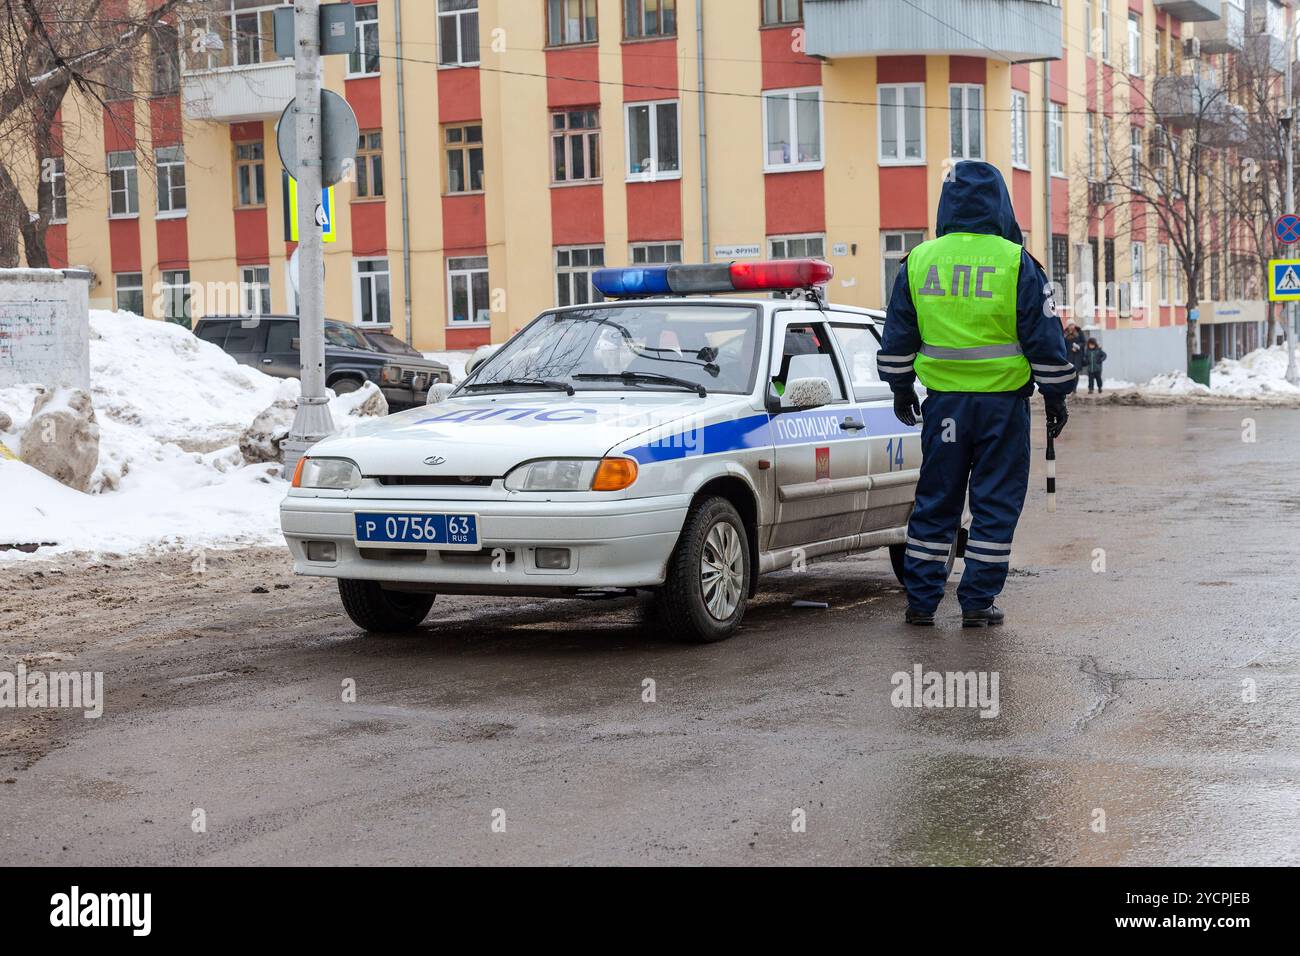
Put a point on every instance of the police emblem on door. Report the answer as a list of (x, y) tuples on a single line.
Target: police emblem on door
[(823, 463)]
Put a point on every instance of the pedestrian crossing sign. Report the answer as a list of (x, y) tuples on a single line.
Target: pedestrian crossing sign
[(1284, 280)]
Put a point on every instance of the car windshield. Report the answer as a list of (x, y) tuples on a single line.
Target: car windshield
[(645, 347), (336, 334), (391, 344)]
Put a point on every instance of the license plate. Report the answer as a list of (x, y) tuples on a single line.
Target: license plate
[(440, 531)]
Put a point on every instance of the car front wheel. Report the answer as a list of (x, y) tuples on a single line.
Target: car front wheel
[(372, 608), (704, 596)]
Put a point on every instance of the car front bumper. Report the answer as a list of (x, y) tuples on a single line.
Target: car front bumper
[(402, 397), (612, 544)]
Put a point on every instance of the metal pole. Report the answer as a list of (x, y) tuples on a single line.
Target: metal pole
[(401, 154), (1292, 374), (312, 422), (704, 136)]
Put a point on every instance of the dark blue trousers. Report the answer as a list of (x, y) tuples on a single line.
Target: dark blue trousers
[(980, 442)]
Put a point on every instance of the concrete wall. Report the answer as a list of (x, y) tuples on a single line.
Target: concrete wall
[(1136, 355), (44, 327)]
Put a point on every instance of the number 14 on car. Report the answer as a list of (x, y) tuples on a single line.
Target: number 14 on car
[(894, 452)]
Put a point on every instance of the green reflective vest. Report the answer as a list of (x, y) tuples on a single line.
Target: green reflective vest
[(964, 290)]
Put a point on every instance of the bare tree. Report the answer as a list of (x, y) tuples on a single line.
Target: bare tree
[(50, 49)]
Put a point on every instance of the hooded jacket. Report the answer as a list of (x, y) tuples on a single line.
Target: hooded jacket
[(975, 200)]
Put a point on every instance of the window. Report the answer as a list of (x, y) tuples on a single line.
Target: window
[(1134, 44), (1087, 25), (166, 60), (1019, 129), (1138, 269), (1061, 264), (239, 35), (255, 290), (792, 125), (464, 145), (370, 165), (130, 292), (1098, 280), (902, 127), (966, 121), (573, 269), (649, 18), (652, 141), (119, 79), (1135, 157), (56, 175), (1056, 139), (372, 292), (1110, 273), (1160, 159), (797, 247), (458, 32), (1090, 141), (1105, 31), (169, 163), (123, 183), (364, 60), (467, 291), (1162, 272), (859, 347), (1215, 285), (575, 146), (250, 174), (174, 301), (656, 253), (570, 21), (782, 11), (894, 246)]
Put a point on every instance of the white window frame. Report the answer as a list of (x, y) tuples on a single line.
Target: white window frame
[(119, 286), (58, 176), (570, 272), (900, 91), (1135, 158), (365, 285), (456, 15), (639, 253), (1105, 31), (1137, 259), (166, 185), (886, 257), (795, 237), (965, 111), (1134, 46), (791, 96), (1162, 272), (1056, 139), (367, 31), (1019, 129), (130, 184), (455, 270), (171, 290), (1087, 26), (1090, 144), (254, 291), (654, 174)]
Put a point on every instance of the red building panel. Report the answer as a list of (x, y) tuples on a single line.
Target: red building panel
[(900, 69), (369, 228), (654, 211), (650, 70), (252, 247), (785, 65), (578, 215), (903, 200), (458, 95), (464, 224), (967, 69), (124, 244), (173, 243), (796, 202), (363, 95), (572, 77)]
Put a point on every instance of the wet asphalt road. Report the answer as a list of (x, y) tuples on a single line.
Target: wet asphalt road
[(1120, 691)]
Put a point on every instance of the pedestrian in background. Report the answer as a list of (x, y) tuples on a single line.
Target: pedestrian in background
[(1093, 357), (1075, 344)]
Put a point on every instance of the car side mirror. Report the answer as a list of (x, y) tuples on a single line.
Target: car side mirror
[(439, 392), (807, 393), (295, 344)]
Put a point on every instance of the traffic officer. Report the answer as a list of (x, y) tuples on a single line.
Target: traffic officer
[(972, 316)]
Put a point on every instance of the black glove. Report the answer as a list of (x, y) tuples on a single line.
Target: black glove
[(906, 405), (1057, 416)]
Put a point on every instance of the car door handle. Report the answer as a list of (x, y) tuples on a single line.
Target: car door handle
[(267, 361), (852, 425)]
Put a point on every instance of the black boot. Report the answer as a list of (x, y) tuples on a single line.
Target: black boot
[(919, 618), (991, 616)]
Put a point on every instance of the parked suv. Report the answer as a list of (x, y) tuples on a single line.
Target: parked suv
[(270, 343)]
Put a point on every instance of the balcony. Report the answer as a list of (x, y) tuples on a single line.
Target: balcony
[(1226, 34), (1017, 30), (232, 71), (1190, 11), (1186, 100)]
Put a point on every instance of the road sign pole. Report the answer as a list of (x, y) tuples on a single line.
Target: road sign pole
[(1292, 374), (312, 421)]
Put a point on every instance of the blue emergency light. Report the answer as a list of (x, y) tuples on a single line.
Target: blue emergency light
[(777, 275)]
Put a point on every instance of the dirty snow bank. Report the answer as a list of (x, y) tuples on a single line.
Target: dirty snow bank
[(1257, 376)]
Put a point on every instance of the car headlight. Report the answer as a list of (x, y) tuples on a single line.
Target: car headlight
[(573, 474), (390, 375), (336, 473)]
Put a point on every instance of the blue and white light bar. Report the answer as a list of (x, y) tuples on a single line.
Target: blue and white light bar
[(775, 275)]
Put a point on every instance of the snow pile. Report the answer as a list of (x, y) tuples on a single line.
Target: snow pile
[(170, 409), (455, 362), (1260, 374)]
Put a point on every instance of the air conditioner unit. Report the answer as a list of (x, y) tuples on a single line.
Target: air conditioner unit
[(1192, 48)]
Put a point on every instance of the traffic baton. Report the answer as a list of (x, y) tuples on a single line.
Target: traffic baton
[(1051, 472)]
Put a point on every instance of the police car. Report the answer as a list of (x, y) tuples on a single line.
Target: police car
[(673, 437)]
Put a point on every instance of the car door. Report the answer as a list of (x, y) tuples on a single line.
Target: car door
[(894, 449), (246, 340), (281, 358), (820, 460)]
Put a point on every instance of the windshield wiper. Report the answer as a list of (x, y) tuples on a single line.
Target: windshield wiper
[(522, 383), (631, 378)]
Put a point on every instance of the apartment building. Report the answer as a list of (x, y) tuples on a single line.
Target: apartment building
[(510, 147)]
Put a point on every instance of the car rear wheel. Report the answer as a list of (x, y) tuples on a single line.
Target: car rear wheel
[(345, 386), (372, 608), (704, 595)]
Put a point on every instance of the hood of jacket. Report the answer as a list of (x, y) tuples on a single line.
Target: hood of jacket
[(975, 199)]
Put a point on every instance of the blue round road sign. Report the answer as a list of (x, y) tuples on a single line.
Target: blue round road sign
[(1287, 228)]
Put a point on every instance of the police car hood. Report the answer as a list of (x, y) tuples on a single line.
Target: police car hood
[(975, 199), (487, 435)]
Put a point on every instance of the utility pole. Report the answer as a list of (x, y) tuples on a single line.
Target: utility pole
[(1292, 374), (312, 422)]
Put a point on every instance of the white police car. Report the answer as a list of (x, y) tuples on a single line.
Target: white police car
[(648, 441)]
